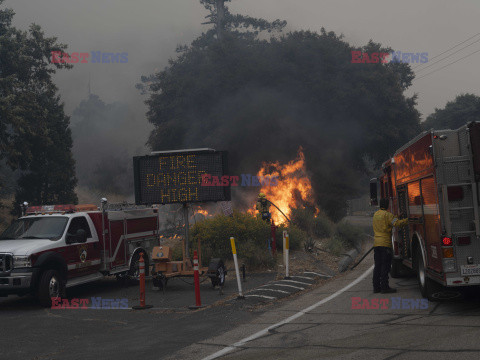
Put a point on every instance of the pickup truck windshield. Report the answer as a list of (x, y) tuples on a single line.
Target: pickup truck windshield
[(51, 227)]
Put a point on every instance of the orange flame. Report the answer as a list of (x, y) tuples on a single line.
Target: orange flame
[(294, 187), (203, 212)]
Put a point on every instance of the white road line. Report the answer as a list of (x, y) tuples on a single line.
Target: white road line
[(280, 291), (287, 320), (286, 285), (261, 296), (318, 274), (303, 277), (297, 282)]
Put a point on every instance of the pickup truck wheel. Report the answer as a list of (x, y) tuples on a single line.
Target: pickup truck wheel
[(50, 286), (134, 271)]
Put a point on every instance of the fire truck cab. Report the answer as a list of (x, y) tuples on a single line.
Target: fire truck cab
[(52, 248), (434, 181)]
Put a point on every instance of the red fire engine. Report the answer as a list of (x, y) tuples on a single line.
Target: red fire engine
[(51, 248), (433, 180)]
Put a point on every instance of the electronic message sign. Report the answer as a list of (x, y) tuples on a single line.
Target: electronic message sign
[(176, 177)]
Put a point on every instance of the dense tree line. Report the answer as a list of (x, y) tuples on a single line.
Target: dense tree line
[(261, 99), (35, 139), (464, 109)]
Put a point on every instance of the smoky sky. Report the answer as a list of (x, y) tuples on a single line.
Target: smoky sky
[(149, 32)]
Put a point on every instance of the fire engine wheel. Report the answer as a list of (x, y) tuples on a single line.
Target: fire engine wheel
[(51, 286), (427, 286), (219, 278), (134, 271)]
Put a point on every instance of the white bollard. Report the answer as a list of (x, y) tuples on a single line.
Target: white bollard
[(235, 260), (287, 249), (284, 244)]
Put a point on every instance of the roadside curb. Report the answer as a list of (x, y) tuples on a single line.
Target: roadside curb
[(350, 256), (347, 260)]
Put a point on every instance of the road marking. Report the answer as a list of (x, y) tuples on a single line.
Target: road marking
[(297, 282), (304, 277), (262, 296), (286, 285), (323, 275), (280, 291), (287, 320)]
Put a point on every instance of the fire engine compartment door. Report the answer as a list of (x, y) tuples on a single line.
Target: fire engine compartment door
[(431, 216), (118, 251), (403, 234)]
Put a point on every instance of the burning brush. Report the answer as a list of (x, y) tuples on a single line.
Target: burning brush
[(294, 188)]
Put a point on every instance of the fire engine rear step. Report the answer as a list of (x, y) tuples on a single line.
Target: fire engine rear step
[(84, 279)]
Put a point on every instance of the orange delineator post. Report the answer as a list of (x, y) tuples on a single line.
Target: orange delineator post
[(196, 277), (141, 267), (196, 280), (142, 280)]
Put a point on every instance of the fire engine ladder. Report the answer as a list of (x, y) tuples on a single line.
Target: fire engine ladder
[(468, 181)]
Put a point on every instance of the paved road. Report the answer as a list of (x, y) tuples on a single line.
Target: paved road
[(279, 329), (330, 328), (28, 331)]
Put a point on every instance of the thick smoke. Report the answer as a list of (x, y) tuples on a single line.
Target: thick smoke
[(106, 137)]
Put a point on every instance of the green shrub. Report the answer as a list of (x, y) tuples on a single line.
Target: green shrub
[(250, 233), (348, 234), (303, 218), (335, 245), (315, 225), (177, 254), (322, 226)]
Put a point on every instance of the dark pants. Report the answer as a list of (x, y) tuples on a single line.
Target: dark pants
[(383, 262)]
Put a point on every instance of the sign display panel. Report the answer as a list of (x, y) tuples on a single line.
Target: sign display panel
[(176, 177)]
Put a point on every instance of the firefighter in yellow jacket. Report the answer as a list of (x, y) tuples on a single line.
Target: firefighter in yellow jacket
[(263, 207), (383, 222)]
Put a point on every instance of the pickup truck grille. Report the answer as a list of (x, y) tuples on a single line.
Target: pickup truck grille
[(6, 263)]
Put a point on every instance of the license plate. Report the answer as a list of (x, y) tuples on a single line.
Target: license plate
[(470, 269)]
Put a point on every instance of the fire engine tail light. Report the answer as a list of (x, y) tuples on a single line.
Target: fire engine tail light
[(447, 241)]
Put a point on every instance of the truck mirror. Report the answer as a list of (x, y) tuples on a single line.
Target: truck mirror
[(81, 236), (71, 238), (373, 192)]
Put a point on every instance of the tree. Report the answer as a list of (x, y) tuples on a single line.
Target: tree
[(464, 109), (263, 99), (34, 131), (237, 25)]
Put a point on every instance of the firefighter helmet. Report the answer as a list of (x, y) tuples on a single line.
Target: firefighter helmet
[(262, 195), (384, 203)]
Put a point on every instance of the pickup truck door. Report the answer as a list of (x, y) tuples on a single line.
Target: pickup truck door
[(82, 258)]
